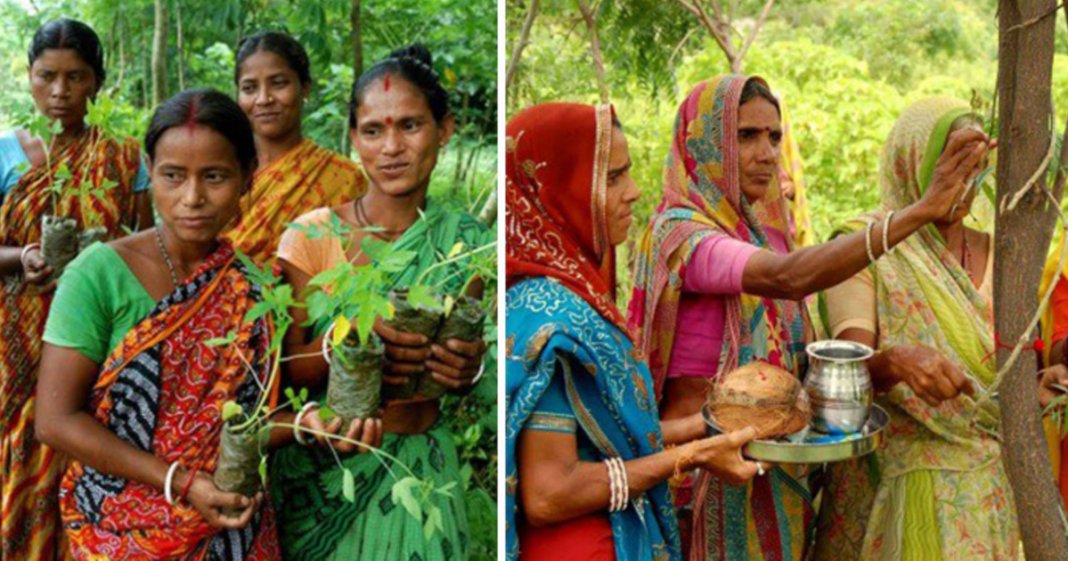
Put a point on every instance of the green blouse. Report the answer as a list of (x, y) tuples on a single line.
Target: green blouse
[(98, 301)]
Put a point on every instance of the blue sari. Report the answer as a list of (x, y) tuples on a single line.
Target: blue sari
[(614, 405)]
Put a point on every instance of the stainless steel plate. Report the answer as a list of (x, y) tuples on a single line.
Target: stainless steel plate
[(811, 447)]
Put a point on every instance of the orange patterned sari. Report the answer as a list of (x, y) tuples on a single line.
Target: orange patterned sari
[(162, 390), (28, 472), (305, 178)]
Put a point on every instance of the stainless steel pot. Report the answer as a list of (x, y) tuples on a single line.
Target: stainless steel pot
[(839, 385)]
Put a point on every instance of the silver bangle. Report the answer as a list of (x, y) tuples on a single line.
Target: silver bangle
[(613, 489), (886, 233), (296, 422), (867, 242), (168, 482)]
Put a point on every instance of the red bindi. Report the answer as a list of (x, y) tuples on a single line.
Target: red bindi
[(385, 82), (389, 121)]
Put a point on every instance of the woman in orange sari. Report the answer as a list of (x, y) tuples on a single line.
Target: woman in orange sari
[(129, 391), (66, 71), (295, 175)]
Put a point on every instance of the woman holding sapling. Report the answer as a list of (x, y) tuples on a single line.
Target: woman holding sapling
[(131, 390), (294, 175), (400, 121), (41, 168)]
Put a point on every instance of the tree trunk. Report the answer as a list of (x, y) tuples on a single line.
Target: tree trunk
[(357, 42), (1025, 56), (180, 44), (159, 54), (590, 18), (524, 38)]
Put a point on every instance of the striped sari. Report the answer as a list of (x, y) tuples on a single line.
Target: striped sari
[(161, 390), (29, 471), (306, 177)]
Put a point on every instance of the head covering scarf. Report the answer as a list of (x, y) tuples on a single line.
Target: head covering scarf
[(925, 297), (557, 187), (560, 311)]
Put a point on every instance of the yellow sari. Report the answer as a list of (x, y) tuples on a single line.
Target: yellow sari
[(305, 178)]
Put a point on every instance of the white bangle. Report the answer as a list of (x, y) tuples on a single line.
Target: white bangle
[(296, 422), (613, 486), (169, 482), (26, 249), (326, 343), (867, 242), (624, 484), (481, 371), (887, 250)]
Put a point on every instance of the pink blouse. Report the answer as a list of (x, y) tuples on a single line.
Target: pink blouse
[(713, 273)]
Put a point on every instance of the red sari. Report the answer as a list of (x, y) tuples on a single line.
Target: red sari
[(161, 389)]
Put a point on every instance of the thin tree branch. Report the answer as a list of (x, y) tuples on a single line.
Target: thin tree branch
[(521, 43), (1036, 19), (595, 48), (753, 34)]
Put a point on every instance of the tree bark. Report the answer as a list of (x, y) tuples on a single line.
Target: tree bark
[(488, 214), (357, 41), (1025, 56), (159, 54), (590, 18), (524, 39)]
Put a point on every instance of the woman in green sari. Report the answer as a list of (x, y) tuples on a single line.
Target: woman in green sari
[(399, 120), (938, 489)]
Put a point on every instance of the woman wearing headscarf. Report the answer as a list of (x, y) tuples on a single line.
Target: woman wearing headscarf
[(719, 285), (586, 460)]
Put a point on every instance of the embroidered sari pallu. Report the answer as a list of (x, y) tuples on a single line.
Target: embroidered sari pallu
[(28, 470), (161, 390)]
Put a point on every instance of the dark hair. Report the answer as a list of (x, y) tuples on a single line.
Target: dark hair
[(212, 109), (757, 88), (414, 64), (65, 33), (280, 44)]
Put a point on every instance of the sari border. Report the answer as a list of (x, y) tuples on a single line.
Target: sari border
[(599, 195)]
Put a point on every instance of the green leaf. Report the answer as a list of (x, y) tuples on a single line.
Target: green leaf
[(258, 311), (348, 486), (446, 489), (456, 249), (422, 296), (220, 341), (263, 470), (231, 410), (433, 522), (326, 414), (342, 327), (403, 493)]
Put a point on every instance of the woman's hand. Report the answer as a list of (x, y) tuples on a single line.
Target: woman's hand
[(1054, 375), (36, 270), (964, 151), (367, 431), (722, 456), (209, 501), (406, 353), (456, 364), (932, 377)]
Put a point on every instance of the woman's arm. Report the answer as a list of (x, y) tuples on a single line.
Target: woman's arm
[(64, 384), (556, 486), (932, 377), (800, 273)]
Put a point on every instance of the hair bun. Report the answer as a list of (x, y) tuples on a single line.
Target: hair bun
[(416, 52)]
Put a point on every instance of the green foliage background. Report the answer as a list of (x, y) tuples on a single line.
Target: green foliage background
[(461, 34), (845, 70)]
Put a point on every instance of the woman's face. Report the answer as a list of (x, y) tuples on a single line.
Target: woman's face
[(197, 182), (270, 94), (622, 192), (62, 84), (759, 135), (397, 137)]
